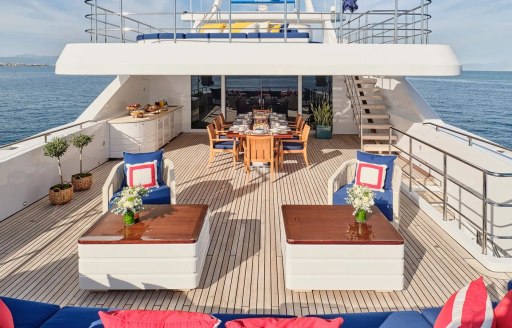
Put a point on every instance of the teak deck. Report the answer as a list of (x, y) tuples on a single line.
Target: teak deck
[(243, 270), (158, 224), (335, 225)]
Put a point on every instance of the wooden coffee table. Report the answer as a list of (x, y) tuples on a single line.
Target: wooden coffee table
[(166, 249), (325, 249)]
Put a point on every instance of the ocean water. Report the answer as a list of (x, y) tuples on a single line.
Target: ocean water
[(34, 99)]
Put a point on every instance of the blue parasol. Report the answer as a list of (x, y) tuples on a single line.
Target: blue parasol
[(350, 5)]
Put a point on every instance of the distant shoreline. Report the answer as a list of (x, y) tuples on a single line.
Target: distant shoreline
[(23, 65)]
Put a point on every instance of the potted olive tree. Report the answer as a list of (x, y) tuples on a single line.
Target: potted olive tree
[(81, 181), (61, 193), (322, 114)]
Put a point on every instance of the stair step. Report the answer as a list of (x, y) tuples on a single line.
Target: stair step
[(372, 106), (365, 81), (370, 97), (376, 116), (376, 126), (378, 136), (376, 147), (364, 89)]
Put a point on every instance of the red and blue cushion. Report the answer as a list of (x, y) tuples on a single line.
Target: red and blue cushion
[(370, 175), (142, 174), (388, 160), (470, 307), (28, 313), (137, 158), (503, 312), (157, 319), (6, 320)]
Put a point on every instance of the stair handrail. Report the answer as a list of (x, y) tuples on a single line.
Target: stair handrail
[(485, 234), (357, 113), (467, 135), (215, 11)]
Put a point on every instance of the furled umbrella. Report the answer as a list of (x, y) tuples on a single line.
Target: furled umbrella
[(350, 5)]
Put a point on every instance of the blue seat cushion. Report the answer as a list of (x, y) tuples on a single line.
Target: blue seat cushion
[(197, 36), (159, 195), (138, 158), (171, 35), (431, 314), (405, 319), (29, 314), (76, 317), (358, 320), (228, 317), (387, 160), (224, 144), (226, 36), (150, 36), (280, 35), (293, 146), (383, 200)]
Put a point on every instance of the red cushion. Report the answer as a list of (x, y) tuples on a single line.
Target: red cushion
[(503, 312), (309, 322), (157, 319), (6, 320), (470, 307), (371, 175), (143, 174)]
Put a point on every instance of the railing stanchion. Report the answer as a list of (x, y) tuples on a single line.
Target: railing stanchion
[(229, 21), (410, 164), (121, 22), (285, 21), (445, 196), (389, 140), (396, 22), (175, 20), (484, 213), (422, 22), (95, 21)]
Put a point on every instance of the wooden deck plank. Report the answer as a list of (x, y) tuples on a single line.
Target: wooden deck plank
[(244, 269)]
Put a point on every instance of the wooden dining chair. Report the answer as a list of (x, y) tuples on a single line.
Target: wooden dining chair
[(218, 145), (220, 132), (296, 122), (296, 146), (260, 149), (223, 122)]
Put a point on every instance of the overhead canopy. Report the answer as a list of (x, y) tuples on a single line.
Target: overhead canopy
[(203, 58)]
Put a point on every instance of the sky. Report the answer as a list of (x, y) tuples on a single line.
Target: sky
[(478, 31)]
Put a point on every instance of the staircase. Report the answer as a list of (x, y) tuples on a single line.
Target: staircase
[(369, 113)]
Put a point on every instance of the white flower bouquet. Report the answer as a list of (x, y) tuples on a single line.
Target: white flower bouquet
[(129, 202), (362, 199)]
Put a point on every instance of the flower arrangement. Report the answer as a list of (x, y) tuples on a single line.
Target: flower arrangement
[(362, 199), (129, 202)]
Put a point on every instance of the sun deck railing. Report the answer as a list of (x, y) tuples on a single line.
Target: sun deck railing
[(374, 26), (484, 237)]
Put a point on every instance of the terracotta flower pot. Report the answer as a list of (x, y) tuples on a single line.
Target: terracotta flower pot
[(60, 194), (81, 182)]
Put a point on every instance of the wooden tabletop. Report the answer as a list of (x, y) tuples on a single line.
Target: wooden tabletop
[(158, 224), (335, 224), (233, 134)]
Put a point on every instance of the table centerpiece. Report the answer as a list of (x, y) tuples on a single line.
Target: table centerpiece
[(362, 199), (129, 203)]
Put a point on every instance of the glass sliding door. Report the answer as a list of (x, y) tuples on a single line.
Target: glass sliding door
[(205, 101), (315, 90), (277, 93)]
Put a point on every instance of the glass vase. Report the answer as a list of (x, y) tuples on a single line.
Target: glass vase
[(129, 218), (360, 216)]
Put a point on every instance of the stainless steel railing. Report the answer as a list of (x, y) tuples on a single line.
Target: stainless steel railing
[(387, 26), (45, 135), (482, 228), (470, 138), (374, 26)]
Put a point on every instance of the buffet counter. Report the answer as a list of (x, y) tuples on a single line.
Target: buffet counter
[(145, 134)]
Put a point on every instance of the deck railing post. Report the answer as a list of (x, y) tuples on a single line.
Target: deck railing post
[(285, 21), (229, 20), (470, 141), (175, 20), (389, 140), (410, 164), (422, 22), (121, 23), (484, 213), (95, 21), (396, 22), (445, 196)]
